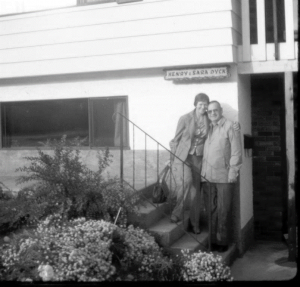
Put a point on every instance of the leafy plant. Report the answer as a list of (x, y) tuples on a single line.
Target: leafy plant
[(24, 208), (70, 188), (5, 194)]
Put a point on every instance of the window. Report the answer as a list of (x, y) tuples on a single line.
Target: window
[(253, 22), (280, 16), (96, 121), (269, 22), (295, 10)]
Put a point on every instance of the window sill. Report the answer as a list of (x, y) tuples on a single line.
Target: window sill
[(48, 148)]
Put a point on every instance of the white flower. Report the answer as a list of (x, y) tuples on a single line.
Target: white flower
[(46, 272), (6, 239)]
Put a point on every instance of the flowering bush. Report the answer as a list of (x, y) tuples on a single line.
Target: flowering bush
[(202, 266), (78, 250), (65, 185), (142, 257), (83, 250)]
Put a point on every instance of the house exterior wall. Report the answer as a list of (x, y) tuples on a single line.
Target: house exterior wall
[(246, 199), (269, 158), (107, 37), (112, 50), (154, 104)]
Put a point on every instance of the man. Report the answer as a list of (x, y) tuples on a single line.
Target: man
[(222, 160), (188, 145)]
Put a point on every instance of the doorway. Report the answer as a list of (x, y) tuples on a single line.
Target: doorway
[(270, 195)]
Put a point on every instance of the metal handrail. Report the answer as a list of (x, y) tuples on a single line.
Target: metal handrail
[(172, 156)]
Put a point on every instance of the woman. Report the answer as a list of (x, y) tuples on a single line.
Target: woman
[(187, 145)]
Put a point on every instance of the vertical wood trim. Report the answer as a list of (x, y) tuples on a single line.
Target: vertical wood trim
[(275, 26), (127, 122), (91, 118), (1, 128), (246, 31), (289, 28), (290, 155), (261, 30)]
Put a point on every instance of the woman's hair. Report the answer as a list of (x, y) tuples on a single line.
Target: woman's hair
[(201, 98)]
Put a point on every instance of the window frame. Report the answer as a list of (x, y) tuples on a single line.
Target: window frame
[(90, 145)]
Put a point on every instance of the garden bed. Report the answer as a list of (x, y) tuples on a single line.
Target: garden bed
[(71, 225)]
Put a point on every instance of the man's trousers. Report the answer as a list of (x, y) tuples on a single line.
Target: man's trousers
[(221, 209)]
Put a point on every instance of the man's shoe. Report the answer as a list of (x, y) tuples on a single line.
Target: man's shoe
[(196, 230), (215, 247), (222, 248)]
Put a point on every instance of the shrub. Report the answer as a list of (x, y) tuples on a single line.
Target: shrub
[(5, 194), (77, 250), (65, 185), (15, 211), (203, 266), (83, 250), (142, 257)]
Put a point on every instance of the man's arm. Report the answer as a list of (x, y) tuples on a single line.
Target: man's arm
[(236, 154)]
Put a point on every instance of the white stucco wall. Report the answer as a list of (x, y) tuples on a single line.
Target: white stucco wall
[(246, 180), (155, 104)]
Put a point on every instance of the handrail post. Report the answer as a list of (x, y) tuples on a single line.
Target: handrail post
[(209, 216), (145, 160), (133, 157), (184, 194), (121, 151)]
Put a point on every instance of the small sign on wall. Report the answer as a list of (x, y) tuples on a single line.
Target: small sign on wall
[(197, 73)]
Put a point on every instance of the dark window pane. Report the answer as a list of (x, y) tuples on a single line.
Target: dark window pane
[(253, 22), (295, 9), (103, 125), (106, 121), (280, 13), (28, 123)]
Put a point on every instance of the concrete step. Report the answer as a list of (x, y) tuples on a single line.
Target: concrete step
[(167, 232), (149, 213), (140, 186), (229, 256), (190, 241)]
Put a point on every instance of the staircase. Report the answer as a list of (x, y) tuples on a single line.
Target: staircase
[(174, 237), (155, 218)]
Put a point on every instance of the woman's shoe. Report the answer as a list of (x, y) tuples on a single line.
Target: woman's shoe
[(174, 219), (196, 230)]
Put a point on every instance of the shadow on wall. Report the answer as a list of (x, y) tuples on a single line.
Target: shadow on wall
[(229, 112)]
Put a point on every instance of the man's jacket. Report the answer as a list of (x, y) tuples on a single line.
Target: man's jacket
[(181, 143), (222, 152)]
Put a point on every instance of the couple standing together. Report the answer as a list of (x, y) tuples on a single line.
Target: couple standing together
[(208, 156)]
